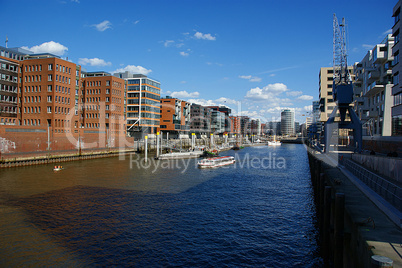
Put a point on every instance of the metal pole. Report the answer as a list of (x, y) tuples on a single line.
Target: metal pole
[(157, 144), (146, 148), (161, 143)]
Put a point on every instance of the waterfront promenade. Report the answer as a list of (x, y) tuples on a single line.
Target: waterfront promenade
[(372, 224)]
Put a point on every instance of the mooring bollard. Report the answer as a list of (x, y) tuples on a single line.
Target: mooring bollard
[(381, 261), (339, 229)]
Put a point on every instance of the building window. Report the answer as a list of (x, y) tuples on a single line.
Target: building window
[(50, 67), (49, 77), (395, 78)]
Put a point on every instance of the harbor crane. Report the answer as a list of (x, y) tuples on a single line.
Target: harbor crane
[(342, 91)]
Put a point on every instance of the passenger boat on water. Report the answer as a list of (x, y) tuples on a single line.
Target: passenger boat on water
[(216, 162)]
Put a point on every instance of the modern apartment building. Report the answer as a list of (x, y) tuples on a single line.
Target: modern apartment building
[(143, 104), (396, 110), (288, 122), (327, 104), (175, 116), (373, 89), (10, 76), (227, 111), (245, 125), (200, 119), (217, 122), (102, 102)]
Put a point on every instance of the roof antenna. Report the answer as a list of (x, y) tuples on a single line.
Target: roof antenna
[(6, 40)]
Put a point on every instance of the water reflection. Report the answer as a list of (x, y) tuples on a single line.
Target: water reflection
[(102, 212)]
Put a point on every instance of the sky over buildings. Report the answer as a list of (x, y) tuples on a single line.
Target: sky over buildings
[(257, 57)]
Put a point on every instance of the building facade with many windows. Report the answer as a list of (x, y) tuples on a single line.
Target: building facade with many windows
[(175, 116), (10, 81), (142, 103), (373, 89), (396, 110), (288, 122), (327, 104), (102, 103), (200, 117)]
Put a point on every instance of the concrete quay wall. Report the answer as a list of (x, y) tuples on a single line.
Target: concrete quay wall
[(353, 231)]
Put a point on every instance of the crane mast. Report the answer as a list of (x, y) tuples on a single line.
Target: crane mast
[(341, 73), (342, 90)]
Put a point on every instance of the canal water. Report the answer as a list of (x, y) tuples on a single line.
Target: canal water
[(127, 212)]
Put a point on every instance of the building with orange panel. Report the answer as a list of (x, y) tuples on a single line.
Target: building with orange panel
[(235, 125), (175, 116)]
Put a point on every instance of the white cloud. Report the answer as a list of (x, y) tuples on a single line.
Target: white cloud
[(167, 43), (268, 92), (215, 63), (184, 54), (293, 93), (93, 62), (367, 46), (184, 94), (202, 102), (208, 36), (49, 47), (308, 108), (227, 101), (387, 32), (103, 26), (136, 22), (250, 78), (172, 43), (133, 69), (305, 97)]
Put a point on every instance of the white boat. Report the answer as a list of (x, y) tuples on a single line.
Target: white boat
[(216, 162), (274, 143)]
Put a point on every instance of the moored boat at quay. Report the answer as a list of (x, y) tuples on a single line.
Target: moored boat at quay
[(216, 162)]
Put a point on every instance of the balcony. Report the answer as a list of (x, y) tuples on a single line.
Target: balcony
[(373, 76), (379, 54), (374, 88)]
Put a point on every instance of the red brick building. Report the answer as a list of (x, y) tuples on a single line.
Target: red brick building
[(47, 104), (175, 116)]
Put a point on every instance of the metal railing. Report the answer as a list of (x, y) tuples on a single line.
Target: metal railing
[(389, 191)]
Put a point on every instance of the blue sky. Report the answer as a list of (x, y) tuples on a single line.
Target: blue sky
[(255, 56)]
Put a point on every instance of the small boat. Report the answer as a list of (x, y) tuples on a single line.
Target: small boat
[(216, 162), (57, 168), (209, 153), (274, 143)]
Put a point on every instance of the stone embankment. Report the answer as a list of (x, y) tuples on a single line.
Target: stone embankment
[(353, 231)]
